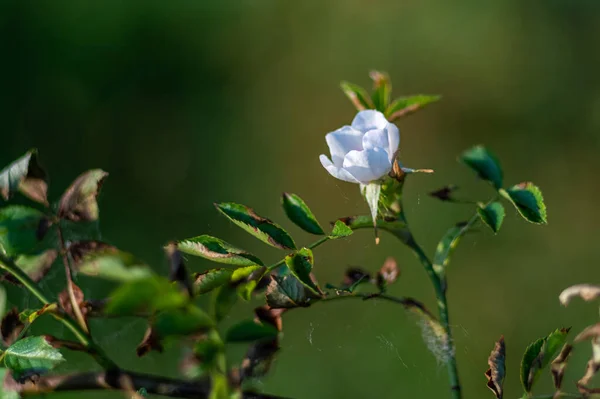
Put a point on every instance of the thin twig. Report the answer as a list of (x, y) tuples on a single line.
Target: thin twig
[(74, 305)]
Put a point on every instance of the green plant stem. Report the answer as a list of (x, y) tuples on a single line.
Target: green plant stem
[(94, 350)]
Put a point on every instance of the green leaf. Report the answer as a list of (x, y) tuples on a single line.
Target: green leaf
[(299, 213), (20, 229), (2, 301), (539, 354), (27, 176), (341, 230), (492, 215), (287, 292), (214, 278), (209, 353), (382, 90), (112, 264), (31, 354), (146, 295), (300, 264), (261, 228), (181, 321), (223, 300), (359, 96), (249, 330), (447, 245), (217, 250), (528, 200), (406, 105), (484, 164), (35, 266), (78, 203), (6, 390)]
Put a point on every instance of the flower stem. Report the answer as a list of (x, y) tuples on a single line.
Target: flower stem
[(94, 350)]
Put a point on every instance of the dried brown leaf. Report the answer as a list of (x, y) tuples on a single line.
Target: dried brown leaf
[(587, 292), (11, 326), (559, 365), (389, 271), (150, 342), (497, 371), (78, 203)]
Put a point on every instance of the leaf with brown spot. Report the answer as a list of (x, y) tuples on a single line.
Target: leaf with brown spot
[(64, 301), (267, 315), (11, 326), (497, 371), (260, 227), (25, 175), (217, 250), (559, 364), (150, 342), (78, 203), (287, 292), (177, 270), (35, 266), (587, 292), (79, 250)]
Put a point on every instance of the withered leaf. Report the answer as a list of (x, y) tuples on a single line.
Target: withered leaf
[(388, 273), (78, 203), (587, 292), (497, 371), (35, 266), (177, 270), (150, 342), (267, 315), (64, 300), (559, 365), (444, 193), (259, 358), (11, 326), (27, 176), (79, 250)]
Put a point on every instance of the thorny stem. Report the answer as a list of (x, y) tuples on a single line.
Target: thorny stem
[(93, 349), (72, 299)]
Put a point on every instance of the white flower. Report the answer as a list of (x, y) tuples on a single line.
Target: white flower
[(364, 151)]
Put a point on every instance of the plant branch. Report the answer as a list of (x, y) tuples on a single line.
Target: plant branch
[(124, 381), (310, 246), (68, 274), (95, 351)]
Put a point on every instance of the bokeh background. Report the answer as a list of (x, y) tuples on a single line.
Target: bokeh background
[(186, 103)]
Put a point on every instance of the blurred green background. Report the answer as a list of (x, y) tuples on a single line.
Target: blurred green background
[(186, 103)]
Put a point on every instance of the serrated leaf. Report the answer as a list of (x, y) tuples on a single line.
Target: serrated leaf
[(7, 385), (31, 354), (112, 264), (405, 105), (287, 292), (382, 90), (222, 301), (528, 200), (249, 330), (261, 228), (19, 229), (341, 230), (492, 215), (539, 354), (447, 245), (181, 321), (25, 175), (217, 250), (485, 164), (299, 213), (357, 95), (78, 203), (145, 295), (497, 371), (300, 264)]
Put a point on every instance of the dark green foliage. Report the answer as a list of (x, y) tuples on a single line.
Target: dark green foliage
[(299, 213), (484, 164), (528, 200)]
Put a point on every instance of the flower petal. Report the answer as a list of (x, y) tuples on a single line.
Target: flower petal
[(367, 165), (341, 142), (376, 139), (336, 172), (393, 139), (369, 119)]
